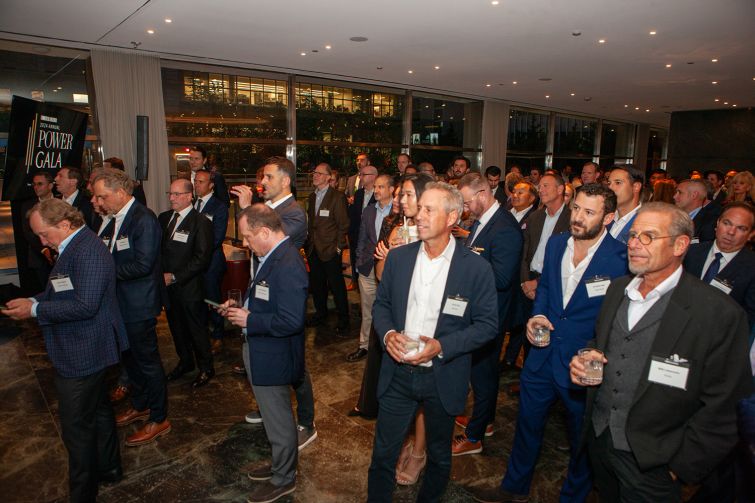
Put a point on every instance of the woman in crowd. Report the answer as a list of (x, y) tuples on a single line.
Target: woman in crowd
[(663, 191), (742, 188)]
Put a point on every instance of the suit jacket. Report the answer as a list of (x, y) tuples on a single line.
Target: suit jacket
[(623, 236), (84, 205), (83, 328), (705, 222), (573, 325), (216, 212), (137, 268), (721, 197), (35, 258), (221, 188), (501, 242), (689, 430), (532, 227), (139, 193), (187, 261), (500, 195), (275, 327), (327, 234), (740, 273), (367, 241), (294, 221), (355, 215), (470, 277)]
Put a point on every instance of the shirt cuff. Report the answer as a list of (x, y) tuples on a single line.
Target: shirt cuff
[(386, 335), (34, 307)]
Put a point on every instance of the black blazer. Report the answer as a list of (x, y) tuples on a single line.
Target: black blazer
[(705, 222), (532, 227), (689, 431), (221, 188), (740, 273), (84, 205), (216, 212), (187, 261), (355, 216)]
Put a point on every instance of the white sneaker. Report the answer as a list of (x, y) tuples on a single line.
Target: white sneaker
[(306, 435), (253, 417)]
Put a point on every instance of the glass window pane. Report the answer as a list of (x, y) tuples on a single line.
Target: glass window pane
[(574, 136), (528, 131), (437, 121), (616, 142), (656, 145)]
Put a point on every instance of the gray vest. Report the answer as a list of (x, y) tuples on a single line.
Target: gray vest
[(627, 353)]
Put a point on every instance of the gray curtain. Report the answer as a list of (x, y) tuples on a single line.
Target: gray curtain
[(495, 131), (128, 84)]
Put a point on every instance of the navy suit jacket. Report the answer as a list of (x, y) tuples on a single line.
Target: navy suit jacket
[(740, 273), (623, 236), (137, 268), (705, 222), (84, 205), (501, 242), (355, 215), (217, 212), (470, 277), (221, 188), (367, 241), (83, 328), (294, 221), (574, 325), (275, 327)]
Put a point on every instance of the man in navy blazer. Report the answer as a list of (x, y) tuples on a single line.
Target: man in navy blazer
[(135, 245), (216, 212), (626, 181), (692, 197), (197, 163), (84, 334), (436, 304), (497, 238), (590, 258), (363, 197), (69, 182), (273, 322)]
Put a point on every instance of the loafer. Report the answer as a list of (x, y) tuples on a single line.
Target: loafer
[(177, 373), (148, 433), (119, 393), (262, 472), (203, 378), (267, 492), (498, 495), (357, 355), (111, 476), (131, 416)]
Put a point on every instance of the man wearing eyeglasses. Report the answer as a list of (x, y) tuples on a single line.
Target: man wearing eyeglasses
[(326, 239), (675, 366), (186, 250), (577, 270)]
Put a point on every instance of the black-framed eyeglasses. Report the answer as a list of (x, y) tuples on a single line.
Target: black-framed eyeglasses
[(646, 238)]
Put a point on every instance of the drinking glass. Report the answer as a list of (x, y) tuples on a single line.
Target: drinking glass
[(542, 336), (235, 297), (592, 359)]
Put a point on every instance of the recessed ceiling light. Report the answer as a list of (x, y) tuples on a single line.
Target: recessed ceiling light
[(411, 71), (716, 99), (572, 94), (436, 67), (668, 65), (151, 32), (315, 50), (547, 95), (714, 60), (714, 82), (303, 53), (494, 2), (515, 81), (60, 88), (358, 39), (647, 109), (726, 102), (328, 47), (734, 105), (55, 90), (427, 106), (653, 32), (576, 33), (545, 79), (487, 85), (168, 20), (626, 106), (636, 108), (602, 41)]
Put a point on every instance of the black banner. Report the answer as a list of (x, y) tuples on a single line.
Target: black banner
[(42, 137)]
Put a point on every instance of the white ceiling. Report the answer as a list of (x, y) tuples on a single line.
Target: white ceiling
[(473, 42)]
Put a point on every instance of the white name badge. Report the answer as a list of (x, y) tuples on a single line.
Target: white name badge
[(262, 292), (106, 241), (722, 285), (181, 237), (122, 244), (694, 241), (61, 284), (455, 306), (671, 371), (597, 287), (324, 213)]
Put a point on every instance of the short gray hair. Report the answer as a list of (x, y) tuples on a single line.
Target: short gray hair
[(452, 199), (681, 223)]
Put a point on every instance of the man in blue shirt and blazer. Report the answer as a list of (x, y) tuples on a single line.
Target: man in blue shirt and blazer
[(588, 259), (272, 320), (84, 335)]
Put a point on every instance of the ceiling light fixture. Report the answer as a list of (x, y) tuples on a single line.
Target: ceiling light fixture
[(547, 96), (151, 32), (626, 106), (494, 2), (636, 108), (716, 100), (653, 32), (168, 20), (734, 105), (714, 60), (576, 33), (411, 71), (714, 82), (602, 41), (487, 85), (647, 109), (572, 94), (328, 47), (668, 65), (516, 82), (358, 39), (303, 53), (726, 102), (436, 67)]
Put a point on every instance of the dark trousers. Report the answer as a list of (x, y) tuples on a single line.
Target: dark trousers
[(88, 427), (484, 381), (145, 370), (620, 480), (538, 393), (368, 402), (187, 320), (327, 274), (212, 285), (410, 388), (353, 240)]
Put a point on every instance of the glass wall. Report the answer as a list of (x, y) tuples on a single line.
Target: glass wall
[(573, 141), (616, 142), (657, 149), (527, 139)]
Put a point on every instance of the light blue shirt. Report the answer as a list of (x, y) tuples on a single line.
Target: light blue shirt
[(380, 215), (319, 196), (61, 248), (693, 213)]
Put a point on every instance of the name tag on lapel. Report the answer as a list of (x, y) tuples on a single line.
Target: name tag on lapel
[(181, 236), (597, 286), (721, 284), (672, 371), (106, 241), (122, 244), (262, 291), (61, 283), (694, 241), (455, 306), (324, 213)]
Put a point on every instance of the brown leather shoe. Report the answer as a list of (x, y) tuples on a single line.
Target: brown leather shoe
[(119, 393), (131, 415), (216, 346), (148, 433)]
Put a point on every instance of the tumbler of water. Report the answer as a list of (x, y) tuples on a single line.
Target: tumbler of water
[(592, 359)]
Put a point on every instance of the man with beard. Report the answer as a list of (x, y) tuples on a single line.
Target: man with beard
[(576, 273)]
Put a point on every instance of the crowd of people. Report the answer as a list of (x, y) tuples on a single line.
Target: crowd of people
[(461, 276)]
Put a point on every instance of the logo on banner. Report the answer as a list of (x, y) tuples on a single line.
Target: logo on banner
[(46, 144)]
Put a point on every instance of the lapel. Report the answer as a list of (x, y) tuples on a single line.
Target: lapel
[(483, 234), (601, 255), (125, 226), (206, 207), (263, 272), (734, 269), (404, 272), (327, 199), (610, 309), (456, 279), (673, 325), (188, 222)]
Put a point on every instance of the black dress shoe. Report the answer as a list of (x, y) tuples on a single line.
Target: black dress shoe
[(177, 373), (357, 355), (354, 413), (203, 378), (111, 476)]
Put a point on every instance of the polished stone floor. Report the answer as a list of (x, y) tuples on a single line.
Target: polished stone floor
[(205, 456)]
